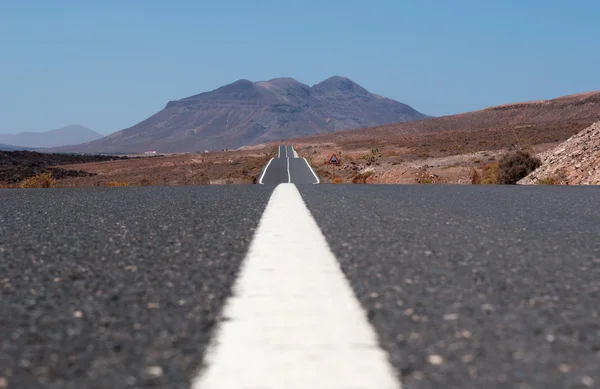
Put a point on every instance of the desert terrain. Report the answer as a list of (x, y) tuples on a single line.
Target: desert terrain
[(442, 157), (451, 149), (228, 167)]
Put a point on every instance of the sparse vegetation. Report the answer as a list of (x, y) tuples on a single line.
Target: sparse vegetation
[(372, 158), (515, 166), (547, 181), (145, 182), (361, 178), (424, 177), (475, 177), (488, 176), (43, 180)]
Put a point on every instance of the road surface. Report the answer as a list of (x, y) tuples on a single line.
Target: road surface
[(300, 286), (287, 167)]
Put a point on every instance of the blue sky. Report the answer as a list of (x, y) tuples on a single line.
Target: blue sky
[(111, 64)]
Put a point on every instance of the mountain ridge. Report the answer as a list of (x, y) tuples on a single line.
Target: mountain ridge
[(245, 113), (70, 135)]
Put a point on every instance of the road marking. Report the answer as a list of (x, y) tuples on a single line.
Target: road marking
[(279, 152), (286, 151), (293, 321), (288, 169), (264, 171), (312, 171)]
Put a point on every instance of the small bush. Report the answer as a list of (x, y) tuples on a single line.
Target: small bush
[(547, 181), (145, 182), (361, 178), (113, 184), (489, 174), (424, 177), (515, 166), (475, 177), (337, 180), (44, 180)]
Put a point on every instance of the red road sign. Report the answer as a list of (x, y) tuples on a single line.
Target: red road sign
[(334, 160)]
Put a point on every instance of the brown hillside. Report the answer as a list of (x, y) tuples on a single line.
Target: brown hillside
[(584, 107)]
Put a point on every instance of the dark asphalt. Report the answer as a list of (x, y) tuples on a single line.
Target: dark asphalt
[(286, 152), (286, 168), (503, 283), (99, 287)]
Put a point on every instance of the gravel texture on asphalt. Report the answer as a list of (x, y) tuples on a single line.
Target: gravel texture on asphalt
[(473, 287), (120, 287)]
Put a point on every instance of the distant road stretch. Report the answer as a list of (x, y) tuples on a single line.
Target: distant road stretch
[(287, 168)]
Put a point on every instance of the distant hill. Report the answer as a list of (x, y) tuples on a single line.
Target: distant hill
[(4, 147), (247, 113), (582, 107), (71, 135)]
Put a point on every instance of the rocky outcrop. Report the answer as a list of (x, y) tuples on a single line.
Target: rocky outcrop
[(574, 162)]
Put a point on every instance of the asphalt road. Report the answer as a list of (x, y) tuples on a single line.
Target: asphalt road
[(465, 286), (288, 168), (99, 287), (501, 282)]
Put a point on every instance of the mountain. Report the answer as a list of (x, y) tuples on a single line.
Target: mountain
[(4, 147), (247, 113), (70, 135)]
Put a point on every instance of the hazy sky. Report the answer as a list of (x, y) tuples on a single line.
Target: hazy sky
[(111, 64)]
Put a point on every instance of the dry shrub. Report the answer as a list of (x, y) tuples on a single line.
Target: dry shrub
[(114, 184), (145, 182), (489, 173), (515, 166), (424, 177), (547, 181), (487, 176), (337, 180), (361, 178), (43, 180), (475, 177)]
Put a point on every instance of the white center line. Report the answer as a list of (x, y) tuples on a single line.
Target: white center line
[(286, 152), (293, 321), (288, 170)]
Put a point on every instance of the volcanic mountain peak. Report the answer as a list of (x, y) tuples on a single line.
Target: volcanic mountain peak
[(246, 113), (338, 86)]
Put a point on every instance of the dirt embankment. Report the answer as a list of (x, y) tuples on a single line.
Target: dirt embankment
[(573, 162)]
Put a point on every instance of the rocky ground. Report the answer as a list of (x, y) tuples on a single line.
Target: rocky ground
[(574, 162), (15, 166), (444, 157), (229, 167)]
